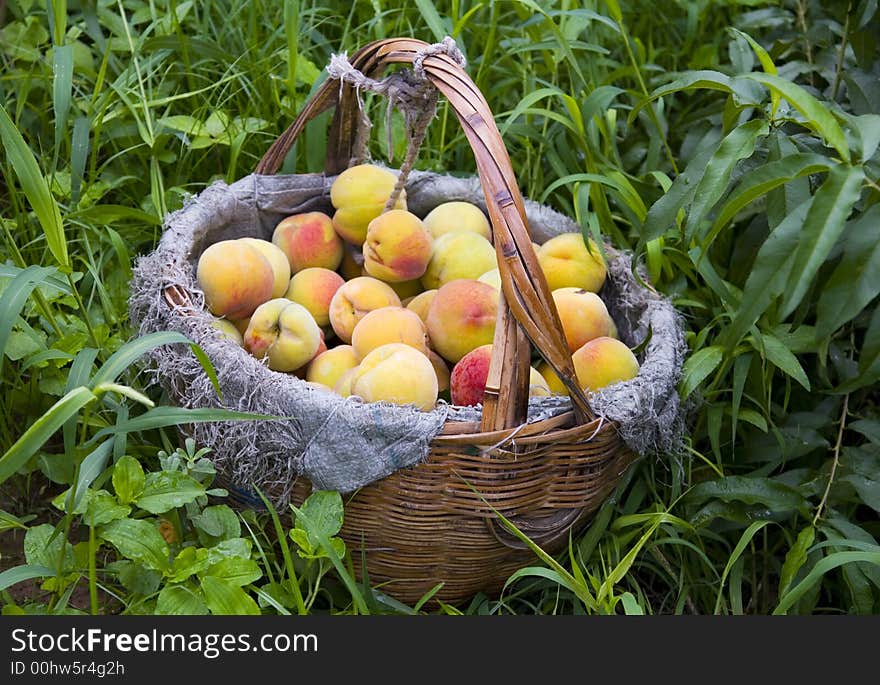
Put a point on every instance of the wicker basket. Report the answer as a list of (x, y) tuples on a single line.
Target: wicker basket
[(436, 522)]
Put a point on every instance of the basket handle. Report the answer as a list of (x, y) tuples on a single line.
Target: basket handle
[(527, 311)]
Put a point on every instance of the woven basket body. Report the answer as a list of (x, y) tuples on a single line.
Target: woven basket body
[(437, 522)]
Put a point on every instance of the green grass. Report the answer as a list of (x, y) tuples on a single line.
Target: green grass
[(731, 145)]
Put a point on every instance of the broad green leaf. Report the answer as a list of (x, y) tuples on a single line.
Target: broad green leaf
[(216, 523), (856, 279), (822, 227), (767, 276), (697, 367), (189, 562), (737, 145), (750, 490), (135, 578), (42, 429), (128, 479), (35, 188), (15, 295), (236, 571), (225, 599), (818, 116), (138, 540), (166, 490), (869, 428), (772, 349), (795, 558), (630, 605), (23, 573), (766, 64), (321, 514), (179, 600), (44, 547), (101, 508)]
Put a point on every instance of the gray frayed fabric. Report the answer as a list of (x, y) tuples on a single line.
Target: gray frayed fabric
[(343, 443)]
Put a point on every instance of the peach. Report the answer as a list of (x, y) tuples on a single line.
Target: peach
[(583, 314), (603, 361), (352, 264), (467, 382), (359, 194), (235, 277), (556, 386), (278, 260), (492, 277), (397, 247), (241, 324), (284, 332), (327, 368), (441, 369), (228, 330), (354, 299), (386, 325), (458, 255), (454, 216), (422, 302), (314, 288), (343, 384), (462, 317), (308, 239), (397, 373), (566, 261)]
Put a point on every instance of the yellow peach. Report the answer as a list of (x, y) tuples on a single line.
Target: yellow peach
[(327, 367), (454, 216), (354, 299), (396, 373), (228, 330), (397, 247), (441, 369), (583, 315), (278, 260), (458, 255), (567, 261), (603, 361), (284, 332), (308, 239), (462, 317), (314, 288), (343, 383), (422, 302), (492, 277), (359, 194), (557, 387), (389, 324), (235, 278)]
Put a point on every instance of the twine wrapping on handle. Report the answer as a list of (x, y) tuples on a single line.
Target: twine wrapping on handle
[(410, 91)]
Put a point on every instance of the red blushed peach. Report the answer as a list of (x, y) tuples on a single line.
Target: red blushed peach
[(462, 317), (359, 194), (314, 288), (235, 277), (285, 333), (308, 239), (583, 314), (603, 361), (278, 260), (397, 247), (467, 382)]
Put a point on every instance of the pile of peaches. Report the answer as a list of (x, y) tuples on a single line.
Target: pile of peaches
[(390, 306)]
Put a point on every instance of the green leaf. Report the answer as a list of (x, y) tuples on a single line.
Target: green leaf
[(767, 276), (25, 572), (101, 508), (44, 547), (698, 366), (188, 562), (236, 571), (166, 490), (321, 514), (744, 540), (42, 429), (432, 18), (225, 599), (825, 221), (856, 279), (737, 145), (766, 64), (128, 479), (62, 86), (135, 578), (35, 188), (10, 522), (818, 116), (216, 523), (772, 349), (15, 295), (796, 558), (179, 600), (829, 563), (139, 541), (772, 494)]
